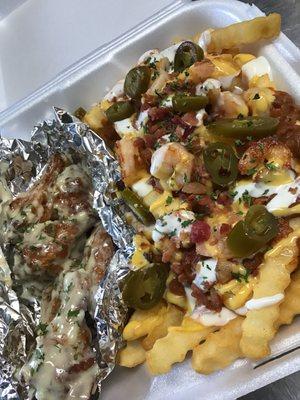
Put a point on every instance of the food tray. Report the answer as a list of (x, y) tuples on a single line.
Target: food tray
[(84, 83)]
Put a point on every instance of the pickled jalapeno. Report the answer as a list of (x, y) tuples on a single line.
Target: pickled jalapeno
[(137, 81), (186, 55)]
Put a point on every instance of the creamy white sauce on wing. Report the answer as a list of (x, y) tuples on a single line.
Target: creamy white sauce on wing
[(208, 317), (285, 194), (173, 224), (206, 272)]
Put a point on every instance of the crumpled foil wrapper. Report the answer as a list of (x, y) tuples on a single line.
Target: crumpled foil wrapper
[(22, 162)]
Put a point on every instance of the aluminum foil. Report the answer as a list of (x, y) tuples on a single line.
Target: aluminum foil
[(21, 164)]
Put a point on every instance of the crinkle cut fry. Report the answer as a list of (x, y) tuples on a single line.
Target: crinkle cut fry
[(245, 32), (132, 354), (259, 326), (174, 347), (220, 348), (290, 307)]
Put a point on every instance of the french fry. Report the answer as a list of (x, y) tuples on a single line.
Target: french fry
[(131, 355), (173, 317), (142, 322), (220, 348), (290, 306), (245, 33), (174, 347), (274, 277)]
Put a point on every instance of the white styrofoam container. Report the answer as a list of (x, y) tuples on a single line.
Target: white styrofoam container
[(86, 82)]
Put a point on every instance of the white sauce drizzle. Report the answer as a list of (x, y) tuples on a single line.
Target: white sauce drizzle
[(205, 39), (257, 304), (283, 196), (208, 317), (173, 224), (206, 272), (116, 92), (207, 85)]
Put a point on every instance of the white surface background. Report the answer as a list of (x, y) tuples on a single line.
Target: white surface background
[(56, 33)]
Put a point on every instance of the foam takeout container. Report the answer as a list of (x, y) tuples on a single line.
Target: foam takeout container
[(84, 83)]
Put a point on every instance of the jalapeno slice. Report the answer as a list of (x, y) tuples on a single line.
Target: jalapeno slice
[(119, 111), (186, 55), (145, 287), (257, 127), (221, 163), (252, 234), (137, 81), (182, 103), (137, 207), (260, 224)]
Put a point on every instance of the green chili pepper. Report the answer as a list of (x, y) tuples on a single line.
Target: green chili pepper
[(145, 287), (186, 55), (257, 127), (119, 111), (221, 163), (182, 103), (137, 207), (252, 234), (137, 81)]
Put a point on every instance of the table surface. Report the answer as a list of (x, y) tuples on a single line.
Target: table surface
[(289, 387)]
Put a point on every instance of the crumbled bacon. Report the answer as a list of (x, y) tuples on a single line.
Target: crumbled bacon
[(190, 118), (155, 183), (288, 113), (200, 232), (194, 188), (224, 199), (254, 262), (225, 229), (284, 230), (184, 269), (158, 113), (209, 299), (176, 287)]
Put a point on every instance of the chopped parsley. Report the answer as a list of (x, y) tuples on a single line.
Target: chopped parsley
[(251, 171), (173, 233), (232, 193), (240, 213), (184, 224), (249, 138), (271, 166), (169, 200), (241, 277), (238, 142), (247, 199), (265, 192), (42, 328), (73, 313)]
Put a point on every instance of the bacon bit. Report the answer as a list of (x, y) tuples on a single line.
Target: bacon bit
[(155, 183), (261, 200), (224, 199), (169, 250), (253, 263), (200, 232), (184, 269), (225, 229), (190, 118), (158, 113), (194, 188), (209, 299), (293, 190), (176, 287), (284, 108), (284, 230)]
